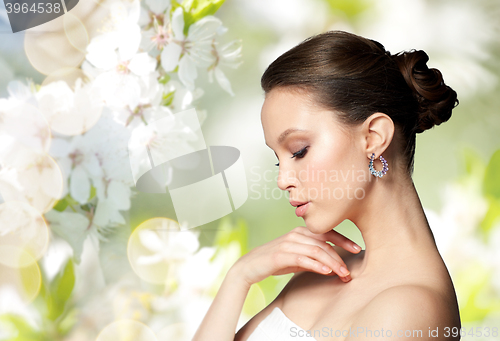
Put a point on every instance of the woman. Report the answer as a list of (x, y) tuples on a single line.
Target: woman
[(333, 105)]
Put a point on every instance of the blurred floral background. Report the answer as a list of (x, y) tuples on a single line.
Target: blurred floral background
[(85, 256)]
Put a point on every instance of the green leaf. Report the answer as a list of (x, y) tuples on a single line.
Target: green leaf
[(60, 291), (474, 292), (17, 321), (61, 205), (474, 164), (491, 182), (22, 328), (195, 10), (31, 279), (188, 21), (86, 207), (64, 283), (188, 4), (491, 217), (93, 192), (71, 201), (227, 233), (67, 323), (350, 8), (167, 99), (255, 300), (164, 79), (273, 285), (207, 7)]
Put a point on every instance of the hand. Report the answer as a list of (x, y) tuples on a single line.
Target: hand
[(295, 251)]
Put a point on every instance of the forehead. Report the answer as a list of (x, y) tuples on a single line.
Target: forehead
[(284, 109)]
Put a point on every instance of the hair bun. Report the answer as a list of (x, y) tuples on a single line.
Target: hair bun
[(436, 99)]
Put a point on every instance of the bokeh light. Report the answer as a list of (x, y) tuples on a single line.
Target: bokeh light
[(126, 330), (49, 47), (175, 331), (67, 74), (155, 248), (22, 228), (38, 179), (23, 124), (20, 273), (75, 32), (69, 111)]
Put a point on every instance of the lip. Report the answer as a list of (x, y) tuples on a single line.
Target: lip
[(297, 203), (301, 209)]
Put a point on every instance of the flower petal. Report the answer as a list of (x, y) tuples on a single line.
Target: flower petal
[(79, 185), (106, 216), (204, 28), (223, 81), (92, 165), (151, 240), (170, 56), (129, 40), (118, 90), (142, 64), (59, 148), (102, 214), (178, 23), (158, 6), (119, 195), (187, 71), (101, 51), (148, 260), (72, 227)]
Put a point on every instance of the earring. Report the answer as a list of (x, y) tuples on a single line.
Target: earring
[(384, 169)]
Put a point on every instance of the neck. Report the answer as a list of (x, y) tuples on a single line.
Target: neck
[(393, 224)]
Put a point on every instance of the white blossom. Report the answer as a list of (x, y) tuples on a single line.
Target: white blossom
[(69, 112), (115, 54), (228, 55), (167, 245), (191, 51)]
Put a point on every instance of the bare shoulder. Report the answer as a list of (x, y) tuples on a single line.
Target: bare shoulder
[(409, 311), (245, 331)]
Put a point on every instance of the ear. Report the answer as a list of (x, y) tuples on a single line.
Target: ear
[(377, 132)]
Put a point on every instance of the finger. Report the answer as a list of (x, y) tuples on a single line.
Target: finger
[(302, 239), (303, 262), (298, 238), (319, 254), (331, 236), (340, 240)]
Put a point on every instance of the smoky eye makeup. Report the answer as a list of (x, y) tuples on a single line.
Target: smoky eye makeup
[(299, 154)]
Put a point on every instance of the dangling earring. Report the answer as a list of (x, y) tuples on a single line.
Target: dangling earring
[(384, 169)]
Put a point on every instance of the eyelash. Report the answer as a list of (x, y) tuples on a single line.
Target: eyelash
[(300, 154)]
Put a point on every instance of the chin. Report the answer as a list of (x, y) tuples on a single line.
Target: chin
[(320, 227), (314, 228)]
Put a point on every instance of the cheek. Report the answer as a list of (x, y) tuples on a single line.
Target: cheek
[(336, 175)]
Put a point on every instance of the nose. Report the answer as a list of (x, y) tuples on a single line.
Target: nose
[(286, 178)]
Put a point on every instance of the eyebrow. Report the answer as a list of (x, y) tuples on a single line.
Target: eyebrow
[(288, 132)]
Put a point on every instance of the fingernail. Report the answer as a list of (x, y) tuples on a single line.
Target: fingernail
[(356, 247), (347, 278), (344, 271), (325, 268)]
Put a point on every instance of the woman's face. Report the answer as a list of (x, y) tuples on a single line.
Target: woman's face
[(330, 171)]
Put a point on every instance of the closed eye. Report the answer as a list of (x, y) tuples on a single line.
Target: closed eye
[(300, 154)]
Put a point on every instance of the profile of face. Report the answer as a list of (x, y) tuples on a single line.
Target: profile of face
[(330, 170)]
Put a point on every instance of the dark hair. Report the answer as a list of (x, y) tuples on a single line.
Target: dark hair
[(357, 77)]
